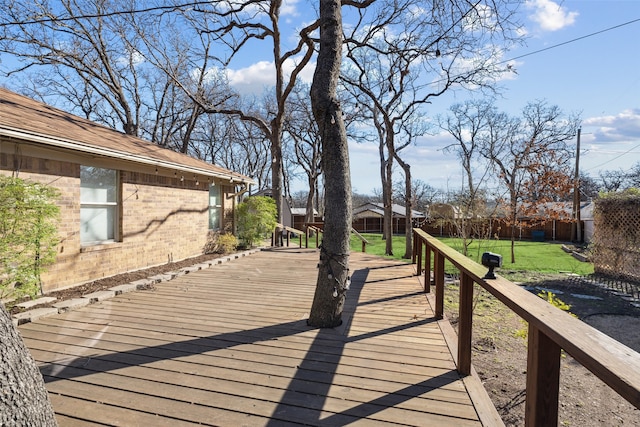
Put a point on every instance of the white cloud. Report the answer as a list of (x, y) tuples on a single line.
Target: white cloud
[(549, 15), (623, 127), (253, 78), (261, 75), (289, 8)]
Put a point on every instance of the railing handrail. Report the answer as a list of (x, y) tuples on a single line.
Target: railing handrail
[(359, 236), (319, 227), (550, 329), (289, 229)]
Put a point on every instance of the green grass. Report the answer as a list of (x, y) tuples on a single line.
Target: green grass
[(540, 257)]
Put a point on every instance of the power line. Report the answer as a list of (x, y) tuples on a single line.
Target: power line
[(106, 14), (611, 160), (633, 21)]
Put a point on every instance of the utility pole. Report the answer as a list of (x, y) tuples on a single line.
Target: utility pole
[(576, 195)]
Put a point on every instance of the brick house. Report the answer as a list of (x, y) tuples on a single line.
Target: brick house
[(125, 203)]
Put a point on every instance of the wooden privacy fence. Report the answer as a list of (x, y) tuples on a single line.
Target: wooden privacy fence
[(551, 229), (550, 331)]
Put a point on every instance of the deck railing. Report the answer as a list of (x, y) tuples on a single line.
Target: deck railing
[(318, 227), (550, 331)]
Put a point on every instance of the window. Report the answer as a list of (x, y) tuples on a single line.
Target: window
[(98, 205), (215, 207)]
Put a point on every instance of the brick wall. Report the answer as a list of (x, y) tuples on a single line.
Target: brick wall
[(162, 219)]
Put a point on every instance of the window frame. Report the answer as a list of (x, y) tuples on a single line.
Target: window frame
[(218, 206), (114, 205)]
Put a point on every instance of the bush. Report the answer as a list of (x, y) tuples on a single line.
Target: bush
[(218, 243), (256, 219), (28, 235)]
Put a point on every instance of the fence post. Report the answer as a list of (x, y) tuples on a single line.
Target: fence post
[(543, 379), (465, 319)]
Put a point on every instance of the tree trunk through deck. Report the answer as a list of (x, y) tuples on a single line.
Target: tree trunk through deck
[(333, 273), (23, 397)]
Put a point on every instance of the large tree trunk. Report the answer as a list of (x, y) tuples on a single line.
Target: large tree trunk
[(23, 397), (333, 273), (408, 211), (387, 199), (276, 183)]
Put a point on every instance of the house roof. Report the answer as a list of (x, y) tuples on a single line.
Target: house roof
[(302, 211), (29, 120), (377, 209)]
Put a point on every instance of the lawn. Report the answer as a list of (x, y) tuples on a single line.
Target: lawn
[(544, 257)]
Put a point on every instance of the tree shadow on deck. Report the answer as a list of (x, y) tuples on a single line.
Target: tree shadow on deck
[(305, 398)]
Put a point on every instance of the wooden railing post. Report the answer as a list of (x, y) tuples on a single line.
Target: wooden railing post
[(465, 319), (427, 268), (438, 276), (417, 258), (416, 242), (543, 380)]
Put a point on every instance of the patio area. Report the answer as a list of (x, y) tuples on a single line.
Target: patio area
[(229, 346)]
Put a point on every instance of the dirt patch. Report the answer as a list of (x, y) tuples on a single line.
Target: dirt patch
[(500, 351), (120, 279)]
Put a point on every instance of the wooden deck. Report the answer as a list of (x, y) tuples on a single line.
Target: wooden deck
[(229, 346)]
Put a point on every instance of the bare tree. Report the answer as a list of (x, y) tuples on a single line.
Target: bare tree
[(468, 124), (402, 57), (531, 158), (589, 187), (422, 194), (234, 25), (307, 144), (614, 180), (92, 61), (333, 273)]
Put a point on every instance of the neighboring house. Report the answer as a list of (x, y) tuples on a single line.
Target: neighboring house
[(125, 203), (368, 218), (299, 217)]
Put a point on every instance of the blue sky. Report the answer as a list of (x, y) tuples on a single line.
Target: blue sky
[(597, 75), (582, 55)]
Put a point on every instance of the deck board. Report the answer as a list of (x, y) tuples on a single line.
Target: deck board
[(229, 345)]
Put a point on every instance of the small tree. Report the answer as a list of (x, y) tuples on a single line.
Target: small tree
[(256, 218), (28, 235)]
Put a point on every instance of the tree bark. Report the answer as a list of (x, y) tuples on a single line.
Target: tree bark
[(408, 209), (23, 397), (333, 274)]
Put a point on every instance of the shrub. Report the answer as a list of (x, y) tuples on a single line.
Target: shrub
[(218, 243), (28, 235), (256, 219)]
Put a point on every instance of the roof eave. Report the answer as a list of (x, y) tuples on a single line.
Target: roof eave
[(106, 152)]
